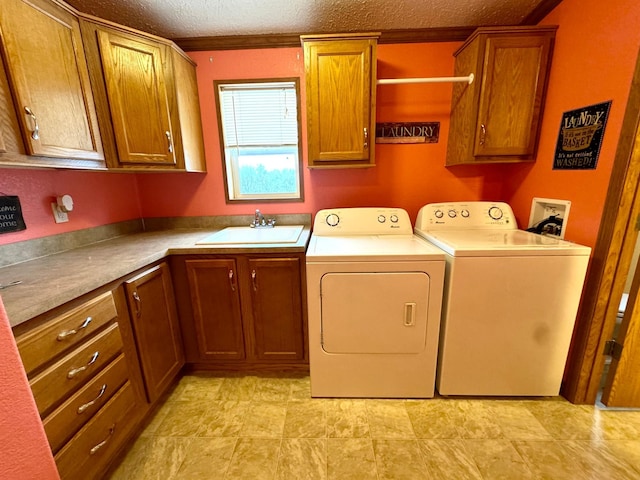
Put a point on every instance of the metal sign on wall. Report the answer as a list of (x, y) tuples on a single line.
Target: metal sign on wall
[(10, 214), (408, 132), (580, 137)]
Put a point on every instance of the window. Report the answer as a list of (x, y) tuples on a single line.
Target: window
[(259, 137)]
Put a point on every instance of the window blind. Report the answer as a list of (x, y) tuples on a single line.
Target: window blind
[(255, 115)]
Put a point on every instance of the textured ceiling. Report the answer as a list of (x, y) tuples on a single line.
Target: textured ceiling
[(210, 18)]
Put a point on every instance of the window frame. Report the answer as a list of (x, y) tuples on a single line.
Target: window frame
[(225, 167)]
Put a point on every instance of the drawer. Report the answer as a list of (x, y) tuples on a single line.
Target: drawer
[(90, 450), (75, 412), (74, 370), (65, 331)]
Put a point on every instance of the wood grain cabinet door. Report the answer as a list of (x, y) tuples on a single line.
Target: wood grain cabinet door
[(49, 80), (134, 72), (515, 75), (277, 308), (215, 298), (156, 328), (340, 79)]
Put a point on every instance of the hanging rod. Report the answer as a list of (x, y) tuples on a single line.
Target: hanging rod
[(389, 81)]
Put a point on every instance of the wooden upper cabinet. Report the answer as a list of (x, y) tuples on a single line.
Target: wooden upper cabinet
[(48, 77), (134, 76), (340, 72), (497, 117), (146, 97)]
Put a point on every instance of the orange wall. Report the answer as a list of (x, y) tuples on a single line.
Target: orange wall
[(99, 198), (595, 54), (407, 176)]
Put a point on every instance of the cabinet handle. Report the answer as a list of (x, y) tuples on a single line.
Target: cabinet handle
[(138, 301), (75, 371), (67, 333), (254, 281), (82, 408), (232, 281), (366, 138), (95, 449), (169, 140), (483, 133), (35, 134)]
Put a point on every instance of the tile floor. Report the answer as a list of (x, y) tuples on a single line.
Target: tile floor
[(250, 427)]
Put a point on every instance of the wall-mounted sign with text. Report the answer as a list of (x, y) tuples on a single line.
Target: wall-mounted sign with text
[(408, 132), (580, 137), (11, 214)]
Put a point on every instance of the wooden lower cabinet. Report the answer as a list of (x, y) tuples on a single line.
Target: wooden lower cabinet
[(242, 311), (83, 369), (156, 327)]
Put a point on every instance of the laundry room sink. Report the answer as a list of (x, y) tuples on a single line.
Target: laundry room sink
[(248, 235)]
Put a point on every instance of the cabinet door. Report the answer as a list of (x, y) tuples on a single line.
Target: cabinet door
[(213, 285), (277, 308), (156, 328), (134, 76), (515, 75), (340, 79), (49, 79)]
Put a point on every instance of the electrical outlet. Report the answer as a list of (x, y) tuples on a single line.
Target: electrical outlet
[(58, 215)]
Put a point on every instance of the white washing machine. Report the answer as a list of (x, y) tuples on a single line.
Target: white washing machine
[(374, 299), (510, 301)]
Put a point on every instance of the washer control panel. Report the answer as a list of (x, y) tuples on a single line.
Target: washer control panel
[(466, 215), (362, 221)]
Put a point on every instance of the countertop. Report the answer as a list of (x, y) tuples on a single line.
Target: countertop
[(53, 280)]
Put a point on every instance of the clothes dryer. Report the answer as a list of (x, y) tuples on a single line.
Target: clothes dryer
[(374, 299)]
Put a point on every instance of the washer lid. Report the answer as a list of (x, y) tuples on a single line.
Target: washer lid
[(476, 243), (371, 248)]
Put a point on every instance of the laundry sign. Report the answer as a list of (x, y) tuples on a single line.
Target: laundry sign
[(408, 132), (11, 214), (580, 137)]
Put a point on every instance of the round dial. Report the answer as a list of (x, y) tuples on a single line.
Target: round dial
[(382, 219), (438, 214), (393, 218), (452, 213), (332, 220), (495, 213), (464, 213)]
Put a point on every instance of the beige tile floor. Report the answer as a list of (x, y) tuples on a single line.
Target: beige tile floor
[(250, 427)]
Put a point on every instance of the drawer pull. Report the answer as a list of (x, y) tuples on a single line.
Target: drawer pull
[(136, 297), (83, 408), (67, 333), (95, 449), (75, 371)]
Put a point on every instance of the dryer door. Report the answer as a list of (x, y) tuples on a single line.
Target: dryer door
[(374, 312)]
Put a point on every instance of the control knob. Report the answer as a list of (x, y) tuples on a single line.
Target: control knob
[(464, 213), (452, 213), (332, 219), (495, 213), (438, 214), (382, 219), (393, 218)]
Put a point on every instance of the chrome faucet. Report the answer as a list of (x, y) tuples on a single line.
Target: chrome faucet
[(260, 221)]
